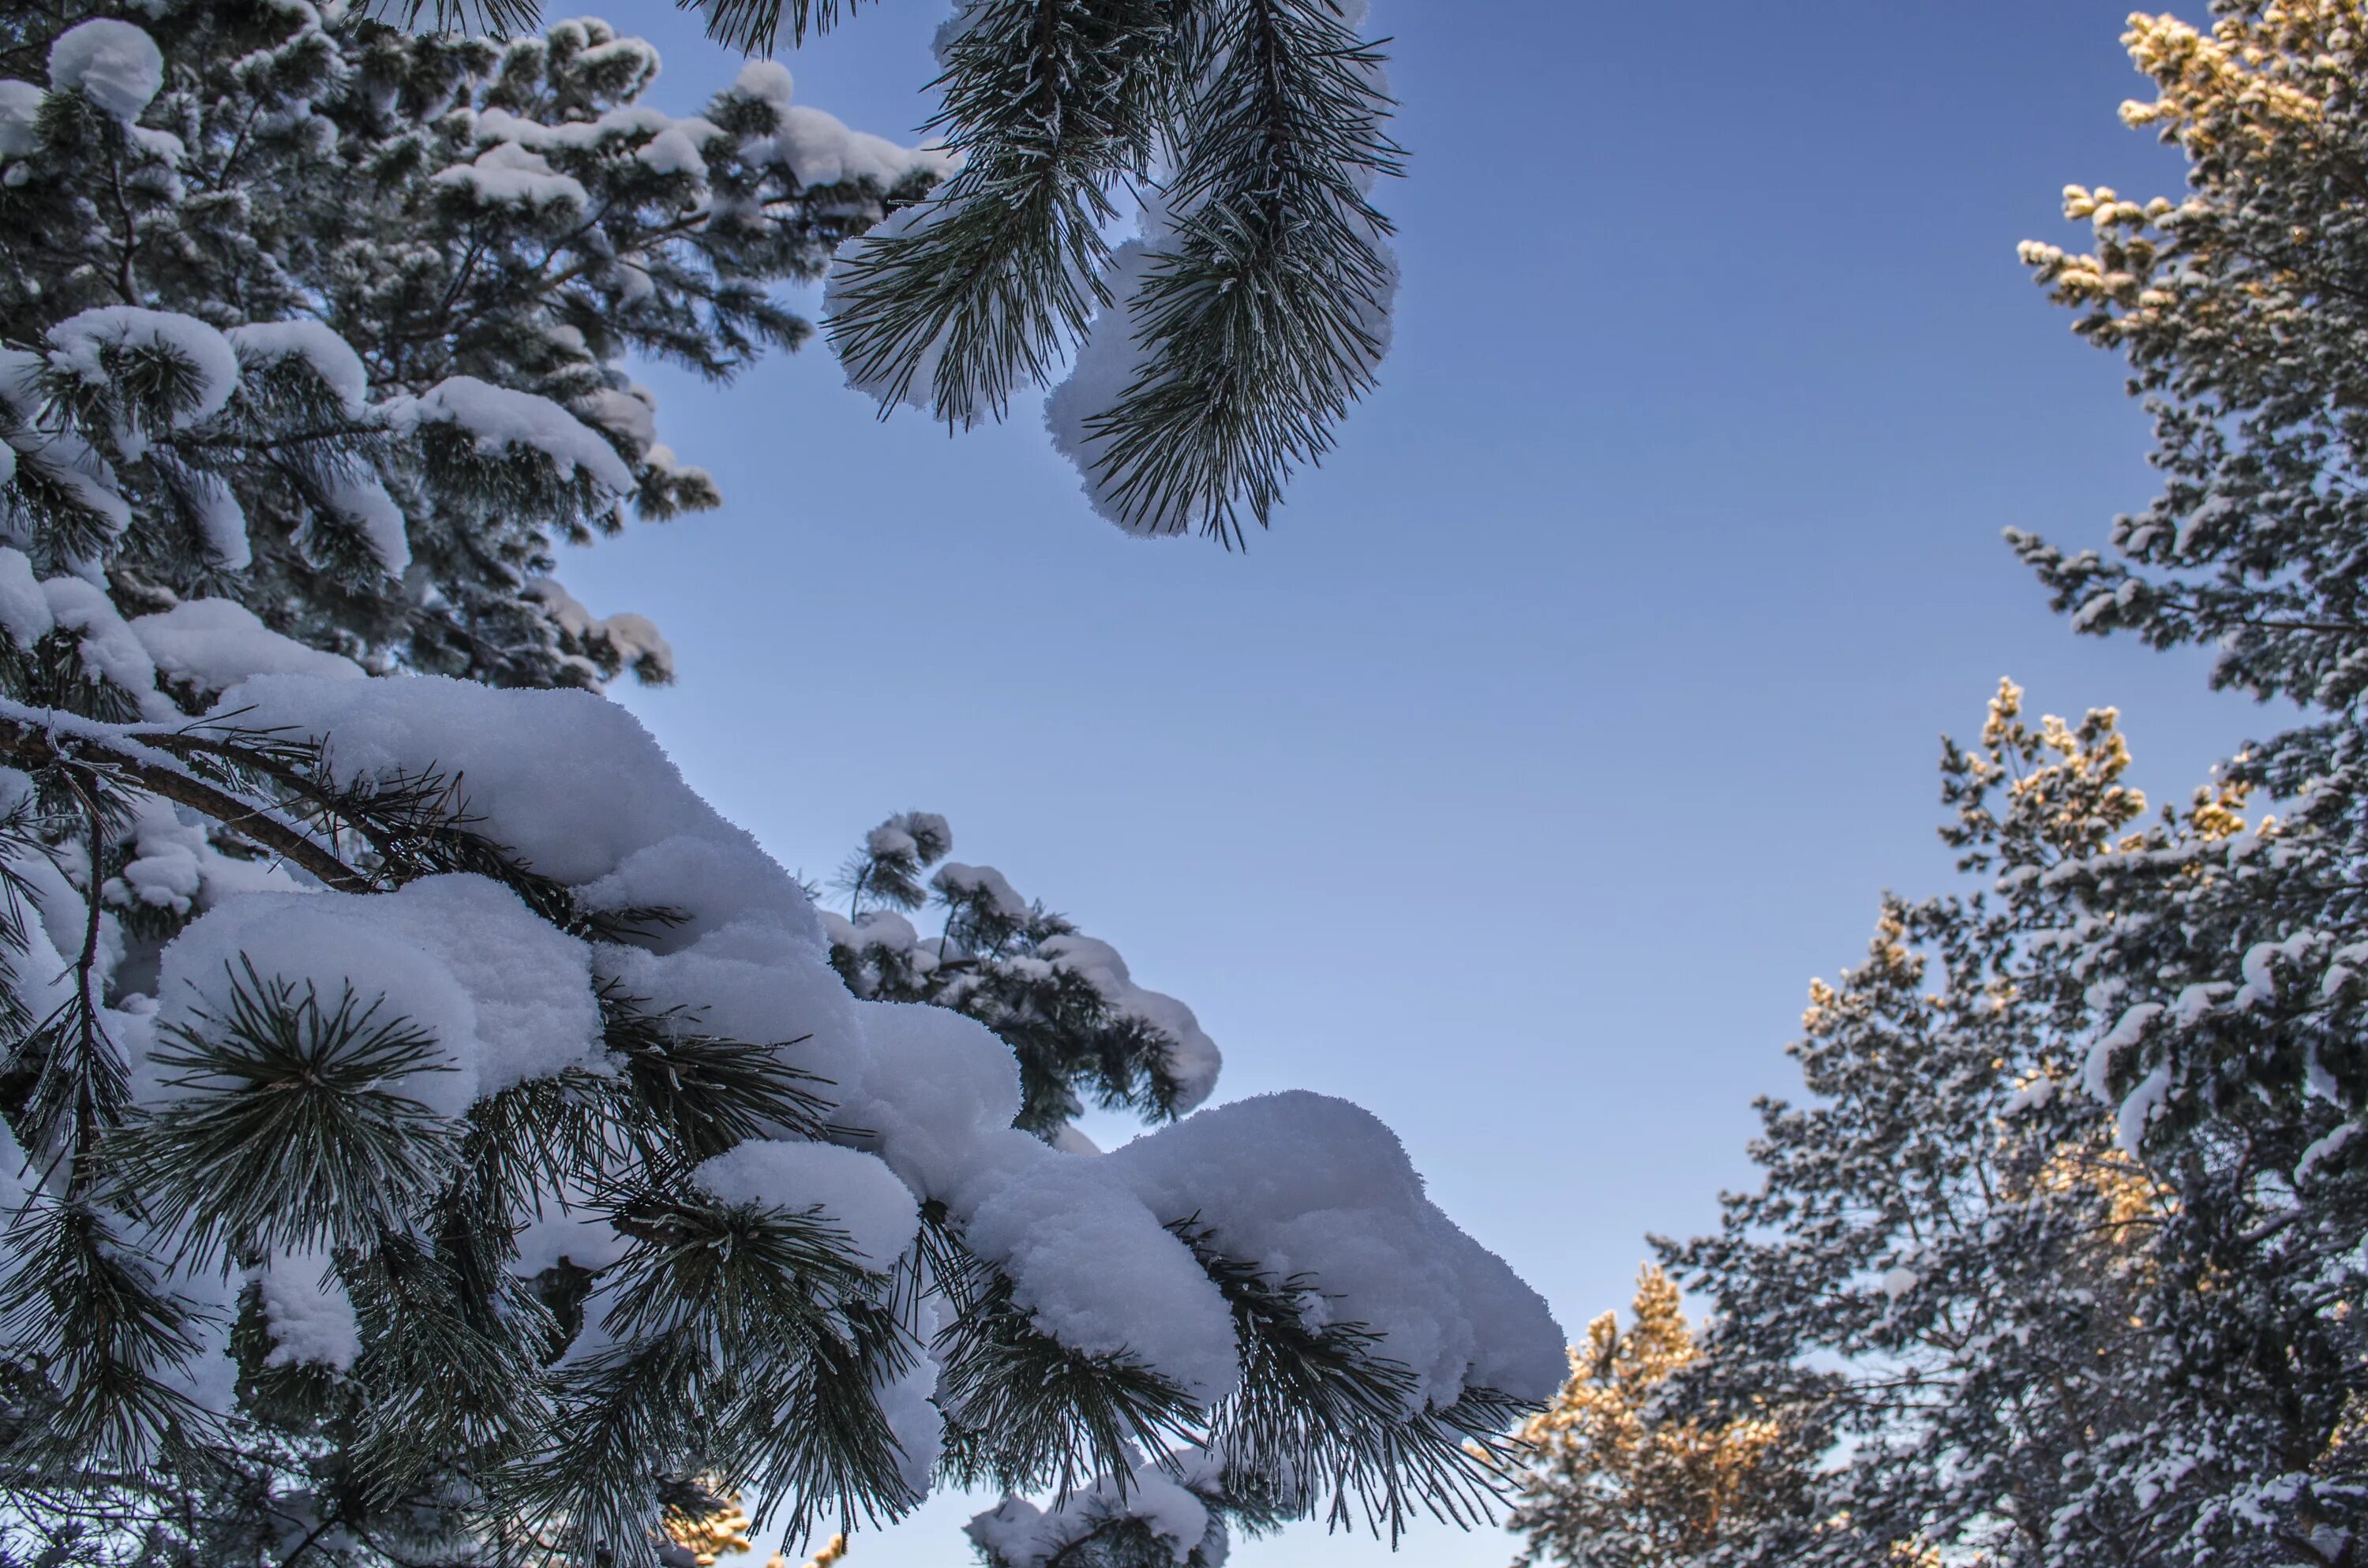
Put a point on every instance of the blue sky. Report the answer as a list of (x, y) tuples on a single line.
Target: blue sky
[(1575, 712)]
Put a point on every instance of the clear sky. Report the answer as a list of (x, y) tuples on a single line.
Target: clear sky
[(1575, 712)]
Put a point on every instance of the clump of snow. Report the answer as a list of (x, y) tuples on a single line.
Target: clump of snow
[(113, 64), (215, 643), (984, 883), (24, 608), (222, 521), (501, 417), (80, 345), (2139, 1108), (854, 1191), (20, 113), (873, 929), (506, 995), (635, 639), (817, 148), (631, 413), (1192, 1056), (109, 651), (60, 457), (844, 290), (329, 356), (507, 173), (307, 1314), (1112, 360), (1300, 1183), (1024, 1536), (361, 500)]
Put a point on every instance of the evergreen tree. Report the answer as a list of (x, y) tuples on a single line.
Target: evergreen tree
[(1611, 1481), (1208, 358), (2069, 1249), (1954, 1266), (429, 1132)]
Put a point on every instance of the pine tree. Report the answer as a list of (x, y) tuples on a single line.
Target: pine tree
[(429, 1132), (2070, 1247), (1954, 1267), (1208, 358), (1611, 1480)]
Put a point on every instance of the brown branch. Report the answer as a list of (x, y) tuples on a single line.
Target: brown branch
[(32, 746)]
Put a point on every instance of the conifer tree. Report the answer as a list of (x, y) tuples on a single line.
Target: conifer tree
[(1611, 1480), (2070, 1247), (427, 1131)]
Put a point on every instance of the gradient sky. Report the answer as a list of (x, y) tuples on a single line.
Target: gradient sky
[(1575, 712)]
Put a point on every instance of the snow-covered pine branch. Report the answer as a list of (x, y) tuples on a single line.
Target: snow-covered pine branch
[(1197, 366), (585, 1171)]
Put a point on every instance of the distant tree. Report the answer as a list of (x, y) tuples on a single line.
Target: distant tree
[(2068, 1248), (1615, 1478)]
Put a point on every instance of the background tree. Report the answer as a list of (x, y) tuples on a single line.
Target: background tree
[(1611, 1480), (2070, 1243)]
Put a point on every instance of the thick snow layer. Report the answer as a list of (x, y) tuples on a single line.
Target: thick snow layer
[(331, 357), (215, 643), (500, 417), (20, 113), (577, 789), (569, 781), (1300, 1183), (1098, 1272), (854, 1191), (307, 1313), (78, 344), (509, 174), (506, 995), (115, 66), (1193, 1058)]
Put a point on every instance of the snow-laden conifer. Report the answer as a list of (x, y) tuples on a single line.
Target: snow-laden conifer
[(2066, 1252)]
